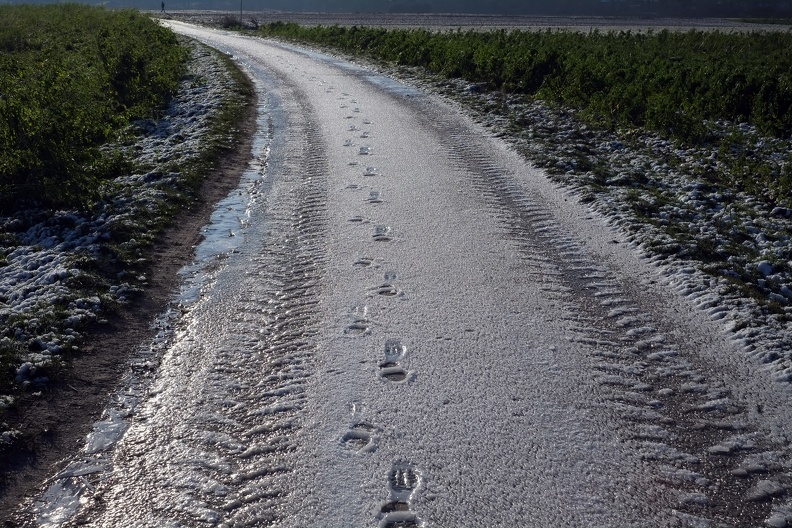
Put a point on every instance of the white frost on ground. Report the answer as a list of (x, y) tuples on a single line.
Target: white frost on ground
[(49, 285), (679, 198), (658, 193)]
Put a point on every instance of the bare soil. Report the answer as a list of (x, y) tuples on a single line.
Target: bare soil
[(59, 420)]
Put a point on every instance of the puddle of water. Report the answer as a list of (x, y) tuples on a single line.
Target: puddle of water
[(70, 489), (225, 232)]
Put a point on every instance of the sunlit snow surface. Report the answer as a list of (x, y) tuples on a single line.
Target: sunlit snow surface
[(414, 328), (222, 237)]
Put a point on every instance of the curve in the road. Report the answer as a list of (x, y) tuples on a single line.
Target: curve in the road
[(419, 330)]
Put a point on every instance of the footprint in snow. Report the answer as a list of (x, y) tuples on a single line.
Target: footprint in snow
[(387, 289), (362, 437), (391, 369), (363, 262), (403, 480), (381, 233), (358, 328)]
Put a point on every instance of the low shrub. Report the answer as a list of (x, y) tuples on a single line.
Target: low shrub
[(668, 81), (70, 76)]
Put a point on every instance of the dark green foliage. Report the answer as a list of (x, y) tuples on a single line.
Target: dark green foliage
[(676, 84), (669, 82), (70, 75)]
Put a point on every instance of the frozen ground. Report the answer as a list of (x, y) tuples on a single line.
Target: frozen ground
[(51, 283), (415, 327), (729, 251)]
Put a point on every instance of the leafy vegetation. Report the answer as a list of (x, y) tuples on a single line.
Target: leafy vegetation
[(679, 84), (665, 81), (106, 245), (70, 76)]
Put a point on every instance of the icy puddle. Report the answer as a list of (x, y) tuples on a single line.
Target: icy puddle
[(75, 485)]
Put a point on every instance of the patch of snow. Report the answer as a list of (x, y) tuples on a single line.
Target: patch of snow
[(657, 193), (47, 289)]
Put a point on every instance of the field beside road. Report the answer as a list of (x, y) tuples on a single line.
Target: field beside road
[(445, 21), (113, 131)]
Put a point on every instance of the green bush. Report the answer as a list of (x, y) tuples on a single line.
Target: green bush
[(677, 84), (670, 82), (71, 75)]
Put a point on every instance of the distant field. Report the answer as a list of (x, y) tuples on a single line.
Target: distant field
[(437, 21)]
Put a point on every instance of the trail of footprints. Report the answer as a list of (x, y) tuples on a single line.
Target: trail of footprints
[(696, 434), (403, 479), (714, 463)]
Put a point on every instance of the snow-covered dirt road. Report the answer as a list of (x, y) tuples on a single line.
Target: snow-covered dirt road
[(416, 328)]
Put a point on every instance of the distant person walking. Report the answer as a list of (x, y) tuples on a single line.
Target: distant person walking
[(163, 7)]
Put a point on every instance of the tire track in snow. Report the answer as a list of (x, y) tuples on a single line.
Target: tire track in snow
[(217, 438), (709, 459)]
